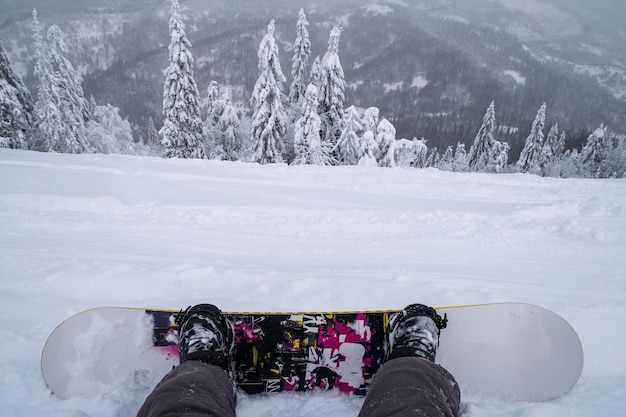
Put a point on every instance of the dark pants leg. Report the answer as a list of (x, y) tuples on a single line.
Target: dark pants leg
[(192, 389), (412, 387)]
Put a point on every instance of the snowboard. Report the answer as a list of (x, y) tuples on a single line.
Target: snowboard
[(508, 351)]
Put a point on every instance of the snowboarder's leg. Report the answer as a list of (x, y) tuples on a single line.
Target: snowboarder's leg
[(412, 386), (193, 388), (409, 383), (202, 385)]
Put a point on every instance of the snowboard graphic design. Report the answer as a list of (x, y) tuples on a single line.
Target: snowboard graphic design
[(510, 351)]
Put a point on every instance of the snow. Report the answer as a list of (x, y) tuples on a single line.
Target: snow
[(378, 9), (80, 231), (393, 86), (419, 82), (519, 79)]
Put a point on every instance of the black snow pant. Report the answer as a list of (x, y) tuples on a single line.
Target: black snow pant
[(402, 387), (412, 387)]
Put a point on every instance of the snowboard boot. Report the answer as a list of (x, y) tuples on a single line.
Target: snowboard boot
[(205, 335), (414, 332)]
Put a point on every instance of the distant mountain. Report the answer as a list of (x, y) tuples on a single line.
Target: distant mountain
[(588, 36), (431, 66)]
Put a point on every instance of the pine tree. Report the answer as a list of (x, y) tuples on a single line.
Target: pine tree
[(45, 110), (300, 61), (269, 119), (61, 108), (367, 149), (108, 133), (481, 150), (500, 156), (16, 107), (153, 140), (370, 120), (615, 162), (595, 152), (228, 129), (552, 160), (386, 139), (546, 156), (308, 146), (349, 141), (529, 158), (213, 110), (332, 92), (42, 64), (316, 72), (460, 158), (182, 128), (559, 146), (447, 160)]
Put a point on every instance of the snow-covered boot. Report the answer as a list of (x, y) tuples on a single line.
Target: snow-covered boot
[(414, 332), (205, 335)]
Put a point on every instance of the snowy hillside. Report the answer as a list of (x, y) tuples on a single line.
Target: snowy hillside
[(92, 230)]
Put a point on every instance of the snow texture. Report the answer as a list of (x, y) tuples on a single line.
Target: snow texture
[(519, 79), (80, 231)]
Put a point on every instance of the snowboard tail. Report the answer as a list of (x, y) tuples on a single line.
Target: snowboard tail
[(510, 351)]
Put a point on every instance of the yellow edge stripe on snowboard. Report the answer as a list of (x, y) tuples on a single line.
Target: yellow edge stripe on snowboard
[(167, 310)]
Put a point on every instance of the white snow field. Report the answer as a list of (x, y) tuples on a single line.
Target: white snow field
[(80, 231)]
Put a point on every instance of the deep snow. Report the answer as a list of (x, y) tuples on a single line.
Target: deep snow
[(79, 231)]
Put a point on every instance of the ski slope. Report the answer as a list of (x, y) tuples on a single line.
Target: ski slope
[(80, 231)]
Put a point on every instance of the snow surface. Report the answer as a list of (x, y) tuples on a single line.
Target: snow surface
[(80, 231), (393, 86), (519, 79), (419, 82)]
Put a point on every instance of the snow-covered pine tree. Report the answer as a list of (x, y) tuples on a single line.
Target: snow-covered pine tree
[(300, 60), (552, 160), (316, 72), (500, 156), (42, 64), (410, 153), (559, 146), (615, 163), (386, 138), (182, 128), (16, 107), (269, 118), (213, 107), (433, 159), (91, 104), (308, 146), (447, 160), (68, 79), (212, 132), (61, 108), (332, 88), (367, 149), (371, 119), (595, 152), (481, 150), (546, 156), (529, 158), (460, 158), (153, 140), (349, 142), (44, 110), (108, 133), (229, 127)]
